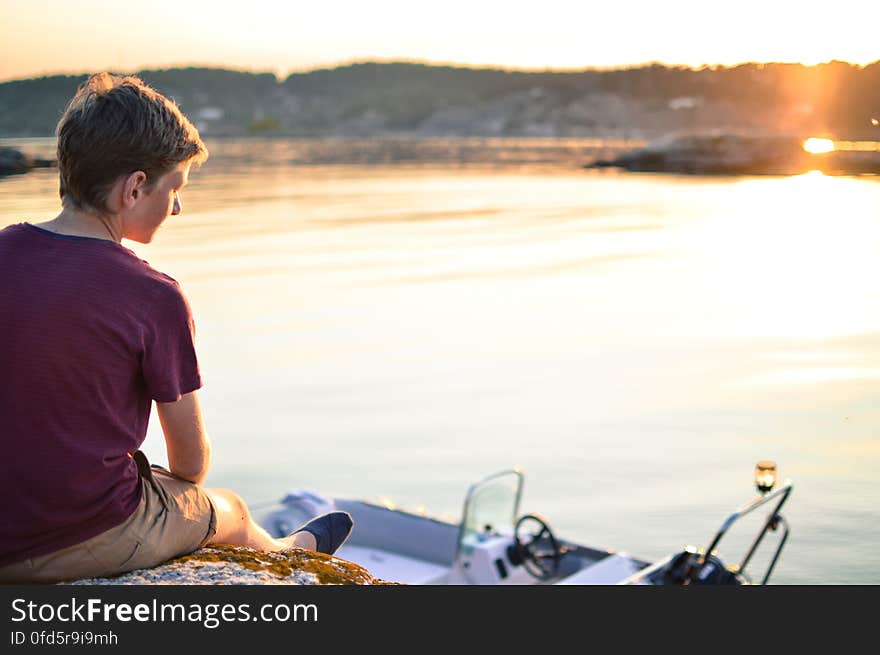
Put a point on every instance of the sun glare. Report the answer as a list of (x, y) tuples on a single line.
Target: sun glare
[(767, 269), (818, 146)]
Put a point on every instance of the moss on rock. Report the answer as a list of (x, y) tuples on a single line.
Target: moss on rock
[(327, 569), (226, 564)]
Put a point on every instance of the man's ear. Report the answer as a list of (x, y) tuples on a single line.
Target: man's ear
[(133, 188)]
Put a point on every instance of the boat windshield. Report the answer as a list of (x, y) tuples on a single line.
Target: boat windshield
[(491, 506)]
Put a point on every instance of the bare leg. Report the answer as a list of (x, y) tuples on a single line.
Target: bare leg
[(235, 526)]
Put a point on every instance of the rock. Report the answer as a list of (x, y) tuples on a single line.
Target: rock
[(14, 162), (222, 564), (714, 152)]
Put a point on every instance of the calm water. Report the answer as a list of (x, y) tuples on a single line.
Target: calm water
[(400, 319)]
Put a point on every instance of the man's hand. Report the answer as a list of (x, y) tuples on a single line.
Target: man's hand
[(189, 451)]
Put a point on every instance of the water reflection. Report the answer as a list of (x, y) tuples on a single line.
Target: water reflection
[(406, 330)]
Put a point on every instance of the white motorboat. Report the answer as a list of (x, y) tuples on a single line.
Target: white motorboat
[(493, 545)]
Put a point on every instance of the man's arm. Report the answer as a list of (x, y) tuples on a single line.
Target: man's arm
[(187, 444)]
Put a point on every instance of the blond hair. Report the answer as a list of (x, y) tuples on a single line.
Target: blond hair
[(114, 126)]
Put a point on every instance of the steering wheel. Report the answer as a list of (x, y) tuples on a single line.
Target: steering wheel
[(539, 551)]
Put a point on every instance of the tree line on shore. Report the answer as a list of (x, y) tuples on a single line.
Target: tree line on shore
[(379, 99)]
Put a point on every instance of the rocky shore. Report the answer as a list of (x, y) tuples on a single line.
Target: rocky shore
[(15, 162), (236, 565), (730, 153)]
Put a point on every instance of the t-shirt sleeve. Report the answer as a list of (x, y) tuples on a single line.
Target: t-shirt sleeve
[(170, 365)]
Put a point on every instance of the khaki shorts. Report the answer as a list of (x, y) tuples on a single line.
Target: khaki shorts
[(175, 517)]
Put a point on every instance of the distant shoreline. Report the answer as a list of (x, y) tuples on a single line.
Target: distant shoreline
[(372, 100), (441, 64)]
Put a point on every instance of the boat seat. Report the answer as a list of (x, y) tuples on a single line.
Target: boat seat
[(392, 567), (607, 571)]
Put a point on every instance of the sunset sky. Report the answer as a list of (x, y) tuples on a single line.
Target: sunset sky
[(51, 36)]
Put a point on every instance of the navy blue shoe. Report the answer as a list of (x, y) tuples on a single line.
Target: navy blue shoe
[(330, 530)]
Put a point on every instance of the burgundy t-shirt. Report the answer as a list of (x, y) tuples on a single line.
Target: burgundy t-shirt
[(89, 334)]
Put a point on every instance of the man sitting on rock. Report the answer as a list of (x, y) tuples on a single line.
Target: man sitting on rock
[(90, 335)]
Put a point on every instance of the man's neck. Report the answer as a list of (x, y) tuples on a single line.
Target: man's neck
[(74, 222)]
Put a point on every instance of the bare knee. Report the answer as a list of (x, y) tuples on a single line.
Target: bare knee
[(230, 501), (233, 516)]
